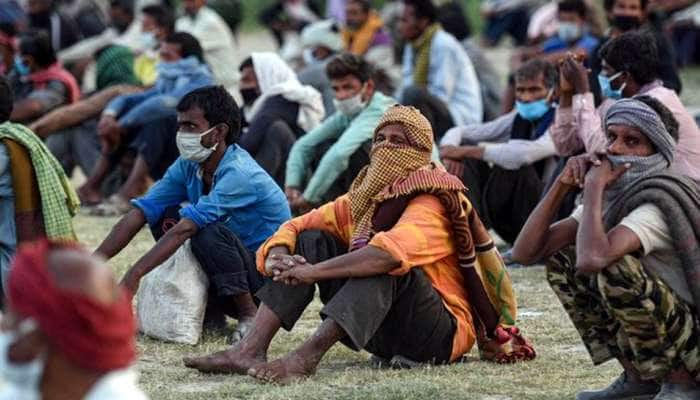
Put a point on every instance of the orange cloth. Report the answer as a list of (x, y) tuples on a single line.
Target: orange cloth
[(358, 42), (421, 238)]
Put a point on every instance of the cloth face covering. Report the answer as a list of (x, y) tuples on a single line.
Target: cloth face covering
[(605, 83), (634, 113), (352, 105), (191, 148), (533, 110), (388, 162), (569, 31)]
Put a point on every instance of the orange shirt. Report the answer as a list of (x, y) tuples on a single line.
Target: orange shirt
[(421, 238)]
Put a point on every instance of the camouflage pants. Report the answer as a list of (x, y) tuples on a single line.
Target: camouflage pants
[(624, 312)]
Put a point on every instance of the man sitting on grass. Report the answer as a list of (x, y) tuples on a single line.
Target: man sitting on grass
[(626, 264), (396, 263), (233, 206)]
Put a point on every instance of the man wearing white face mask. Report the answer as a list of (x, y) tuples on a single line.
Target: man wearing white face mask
[(69, 329), (234, 205), (505, 162), (338, 141)]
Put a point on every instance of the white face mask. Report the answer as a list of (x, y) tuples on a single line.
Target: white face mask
[(20, 381), (352, 105), (190, 146), (148, 40)]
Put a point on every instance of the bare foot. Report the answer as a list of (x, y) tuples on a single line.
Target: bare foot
[(89, 196), (233, 361), (286, 370)]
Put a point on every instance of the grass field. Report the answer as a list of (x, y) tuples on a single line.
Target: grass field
[(561, 368)]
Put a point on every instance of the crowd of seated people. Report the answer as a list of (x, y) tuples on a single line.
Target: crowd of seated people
[(379, 155)]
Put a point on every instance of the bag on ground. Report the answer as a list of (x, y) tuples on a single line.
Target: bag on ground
[(172, 299)]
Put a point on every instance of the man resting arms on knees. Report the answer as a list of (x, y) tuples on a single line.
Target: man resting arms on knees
[(626, 264), (395, 261)]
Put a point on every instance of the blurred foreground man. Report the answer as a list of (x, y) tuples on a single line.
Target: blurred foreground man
[(68, 332)]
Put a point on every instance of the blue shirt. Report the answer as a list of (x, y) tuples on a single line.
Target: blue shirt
[(8, 234), (451, 78), (243, 197), (587, 42)]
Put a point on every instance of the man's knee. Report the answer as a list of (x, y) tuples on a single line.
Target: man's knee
[(623, 282), (208, 238), (560, 265), (317, 245), (280, 132)]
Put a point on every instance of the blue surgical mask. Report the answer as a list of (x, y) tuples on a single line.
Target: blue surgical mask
[(605, 83), (533, 110), (569, 31), (21, 67)]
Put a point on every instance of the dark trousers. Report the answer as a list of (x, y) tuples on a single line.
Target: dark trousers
[(434, 109), (358, 160), (503, 198), (512, 22), (155, 142), (385, 315), (272, 155), (228, 264)]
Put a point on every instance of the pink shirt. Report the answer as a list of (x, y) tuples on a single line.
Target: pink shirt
[(581, 127)]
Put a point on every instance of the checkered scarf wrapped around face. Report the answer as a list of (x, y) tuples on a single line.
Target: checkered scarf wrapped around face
[(388, 162)]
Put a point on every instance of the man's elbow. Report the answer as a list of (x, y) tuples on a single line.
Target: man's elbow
[(591, 264), (523, 256), (183, 230)]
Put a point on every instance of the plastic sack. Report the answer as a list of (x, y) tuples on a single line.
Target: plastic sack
[(172, 299)]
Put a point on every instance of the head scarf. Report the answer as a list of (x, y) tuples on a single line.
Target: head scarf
[(322, 33), (636, 114), (394, 175), (275, 78), (388, 162), (93, 335)]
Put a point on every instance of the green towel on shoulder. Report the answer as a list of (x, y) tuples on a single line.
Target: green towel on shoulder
[(59, 201)]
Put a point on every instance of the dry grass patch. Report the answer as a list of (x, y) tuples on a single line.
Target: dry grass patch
[(561, 368)]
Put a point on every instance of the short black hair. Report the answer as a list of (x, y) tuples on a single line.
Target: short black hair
[(573, 6), (248, 62), (218, 107), (609, 4), (634, 52), (533, 68), (6, 99), (345, 64), (37, 43), (163, 16), (125, 5), (366, 6), (423, 9), (670, 122), (189, 45)]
